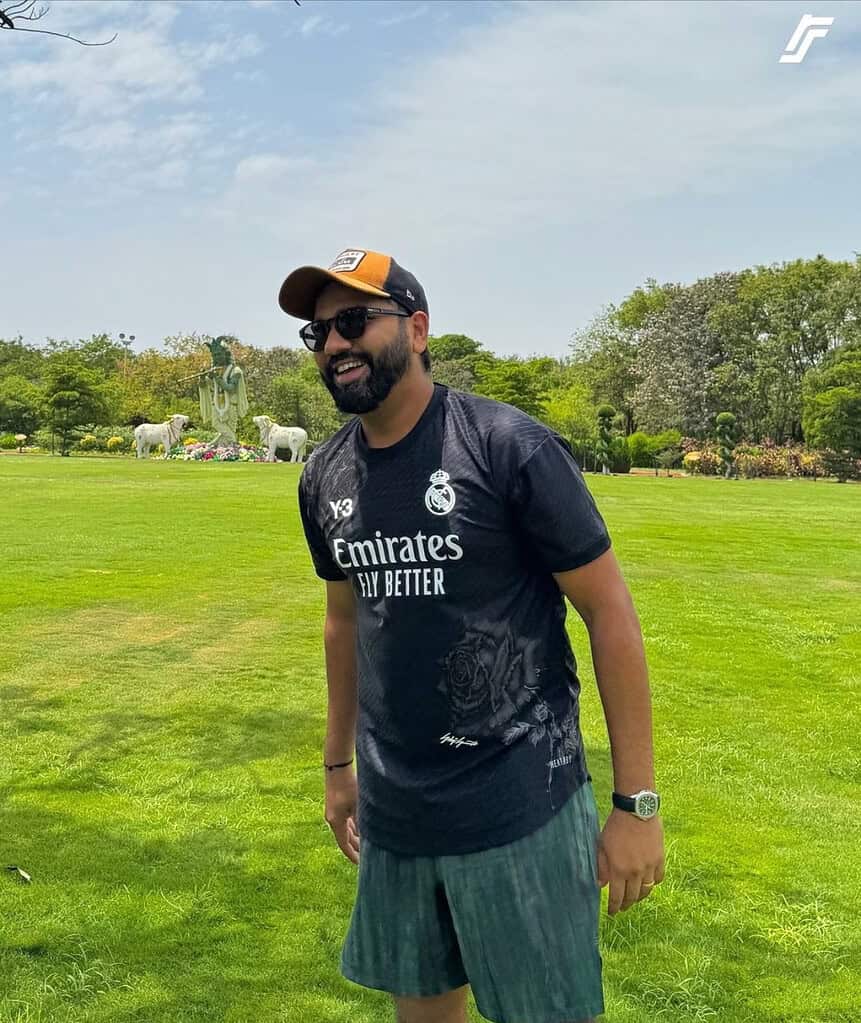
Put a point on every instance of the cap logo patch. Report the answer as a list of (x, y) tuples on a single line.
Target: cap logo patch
[(347, 261), (409, 295)]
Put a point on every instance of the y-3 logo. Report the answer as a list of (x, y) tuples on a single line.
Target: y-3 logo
[(342, 509)]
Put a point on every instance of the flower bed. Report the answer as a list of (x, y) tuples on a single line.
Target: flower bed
[(204, 453)]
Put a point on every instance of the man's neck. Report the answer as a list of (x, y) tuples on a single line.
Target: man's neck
[(400, 412)]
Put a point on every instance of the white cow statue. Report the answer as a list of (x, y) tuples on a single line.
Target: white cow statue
[(167, 434), (273, 436)]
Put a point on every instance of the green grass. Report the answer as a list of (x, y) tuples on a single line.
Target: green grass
[(162, 711)]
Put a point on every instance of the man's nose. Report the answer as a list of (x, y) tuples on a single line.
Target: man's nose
[(335, 344)]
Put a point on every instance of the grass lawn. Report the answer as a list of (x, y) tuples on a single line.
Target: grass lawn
[(162, 711)]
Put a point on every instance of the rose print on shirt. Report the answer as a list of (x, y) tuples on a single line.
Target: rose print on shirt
[(540, 723), (487, 677), (491, 683)]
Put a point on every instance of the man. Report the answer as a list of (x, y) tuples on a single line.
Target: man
[(447, 528)]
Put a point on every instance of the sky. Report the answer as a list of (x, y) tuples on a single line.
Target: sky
[(531, 163)]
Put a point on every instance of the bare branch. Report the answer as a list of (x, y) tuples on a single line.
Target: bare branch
[(19, 7), (33, 15), (25, 10), (61, 35)]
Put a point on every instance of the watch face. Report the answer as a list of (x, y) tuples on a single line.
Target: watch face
[(646, 804)]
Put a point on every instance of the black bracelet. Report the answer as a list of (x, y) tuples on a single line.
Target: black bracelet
[(331, 767)]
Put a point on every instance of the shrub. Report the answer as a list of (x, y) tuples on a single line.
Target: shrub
[(115, 444), (842, 465), (620, 459), (645, 447), (639, 450), (8, 442), (705, 461), (88, 443), (190, 440)]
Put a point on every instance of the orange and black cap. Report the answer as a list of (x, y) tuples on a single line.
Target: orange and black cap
[(365, 271)]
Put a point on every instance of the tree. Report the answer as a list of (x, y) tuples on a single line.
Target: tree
[(605, 350), (832, 405), (20, 359), (453, 373), (643, 303), (513, 383), (570, 412), (74, 397), (780, 324), (453, 347), (456, 359), (21, 404), (678, 352), (299, 401)]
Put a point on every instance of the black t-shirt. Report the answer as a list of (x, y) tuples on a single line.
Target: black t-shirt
[(468, 732)]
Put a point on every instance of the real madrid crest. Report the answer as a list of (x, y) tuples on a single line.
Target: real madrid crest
[(439, 497)]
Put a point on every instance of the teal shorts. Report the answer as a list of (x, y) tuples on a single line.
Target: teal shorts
[(518, 922)]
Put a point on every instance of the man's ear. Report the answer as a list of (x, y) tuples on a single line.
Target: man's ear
[(419, 323)]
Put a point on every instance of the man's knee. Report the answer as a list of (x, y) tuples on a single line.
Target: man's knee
[(447, 1008)]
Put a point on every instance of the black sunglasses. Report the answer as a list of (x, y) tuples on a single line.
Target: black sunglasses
[(350, 324)]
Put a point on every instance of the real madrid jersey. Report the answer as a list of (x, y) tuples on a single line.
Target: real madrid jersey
[(468, 731)]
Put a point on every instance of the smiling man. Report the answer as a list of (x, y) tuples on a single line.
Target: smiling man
[(449, 528)]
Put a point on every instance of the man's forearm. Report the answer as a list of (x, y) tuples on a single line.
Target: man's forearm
[(340, 646), (623, 683)]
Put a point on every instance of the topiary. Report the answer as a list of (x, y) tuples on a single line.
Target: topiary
[(605, 437), (726, 436)]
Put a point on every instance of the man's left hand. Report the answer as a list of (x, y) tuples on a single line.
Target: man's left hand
[(630, 858)]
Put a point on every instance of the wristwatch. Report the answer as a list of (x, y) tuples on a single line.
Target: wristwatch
[(644, 804)]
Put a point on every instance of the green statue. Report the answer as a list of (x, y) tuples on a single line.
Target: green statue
[(223, 397)]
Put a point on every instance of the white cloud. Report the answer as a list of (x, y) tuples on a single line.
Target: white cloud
[(407, 15), (559, 111), (269, 168), (136, 101), (318, 25), (98, 136), (310, 25)]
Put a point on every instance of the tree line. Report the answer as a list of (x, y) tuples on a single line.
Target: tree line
[(778, 347)]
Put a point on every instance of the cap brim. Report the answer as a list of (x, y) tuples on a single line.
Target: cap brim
[(299, 292)]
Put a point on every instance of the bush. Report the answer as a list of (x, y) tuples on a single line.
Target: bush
[(705, 462), (8, 442), (644, 447), (757, 461), (639, 450), (88, 443), (620, 458), (115, 444), (842, 465), (768, 460)]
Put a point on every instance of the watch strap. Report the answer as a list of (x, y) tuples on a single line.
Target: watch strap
[(624, 802), (629, 803)]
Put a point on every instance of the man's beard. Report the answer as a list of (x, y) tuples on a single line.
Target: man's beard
[(384, 371)]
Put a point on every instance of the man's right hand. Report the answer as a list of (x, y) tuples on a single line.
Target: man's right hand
[(342, 797)]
